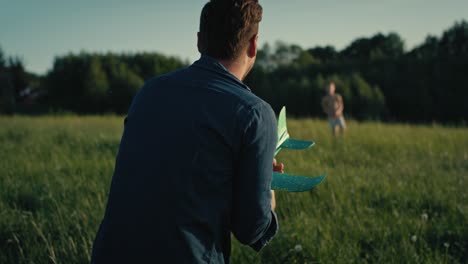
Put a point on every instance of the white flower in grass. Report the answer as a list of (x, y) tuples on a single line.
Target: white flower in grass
[(424, 217), (414, 238), (298, 248), (446, 244)]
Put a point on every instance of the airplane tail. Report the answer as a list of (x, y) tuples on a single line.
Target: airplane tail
[(284, 141)]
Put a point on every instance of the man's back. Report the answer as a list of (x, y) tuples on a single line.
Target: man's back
[(193, 140)]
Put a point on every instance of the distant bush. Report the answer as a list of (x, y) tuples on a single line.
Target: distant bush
[(97, 83)]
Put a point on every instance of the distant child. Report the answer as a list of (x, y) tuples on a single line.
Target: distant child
[(332, 105)]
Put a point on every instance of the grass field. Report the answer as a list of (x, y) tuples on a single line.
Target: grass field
[(394, 193)]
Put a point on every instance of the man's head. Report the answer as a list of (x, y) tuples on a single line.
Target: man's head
[(229, 28), (331, 88)]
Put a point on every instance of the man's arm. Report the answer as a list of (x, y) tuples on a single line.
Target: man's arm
[(253, 221), (339, 109), (324, 105)]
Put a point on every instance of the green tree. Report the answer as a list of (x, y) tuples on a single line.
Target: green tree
[(377, 47), (304, 59), (18, 75), (2, 60), (368, 101), (324, 54), (123, 87), (454, 41), (89, 82), (7, 90), (427, 50), (96, 85)]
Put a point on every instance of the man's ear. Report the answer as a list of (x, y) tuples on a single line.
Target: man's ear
[(199, 44), (252, 49)]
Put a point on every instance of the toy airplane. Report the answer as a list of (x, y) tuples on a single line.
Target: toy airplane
[(288, 182)]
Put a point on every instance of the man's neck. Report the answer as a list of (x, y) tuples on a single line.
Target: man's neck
[(235, 67)]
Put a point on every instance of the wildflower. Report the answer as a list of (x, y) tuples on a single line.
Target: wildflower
[(446, 245), (424, 217), (298, 248), (414, 238)]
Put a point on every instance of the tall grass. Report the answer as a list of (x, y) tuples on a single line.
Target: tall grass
[(394, 193)]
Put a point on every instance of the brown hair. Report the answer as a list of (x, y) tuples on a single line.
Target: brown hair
[(226, 26)]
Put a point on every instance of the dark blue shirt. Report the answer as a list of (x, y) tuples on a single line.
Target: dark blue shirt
[(194, 165)]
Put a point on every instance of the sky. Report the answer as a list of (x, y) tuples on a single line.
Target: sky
[(38, 31)]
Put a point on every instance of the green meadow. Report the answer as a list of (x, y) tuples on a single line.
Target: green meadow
[(394, 193)]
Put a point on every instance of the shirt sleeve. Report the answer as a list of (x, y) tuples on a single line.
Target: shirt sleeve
[(253, 221)]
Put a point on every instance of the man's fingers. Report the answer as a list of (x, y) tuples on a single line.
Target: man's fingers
[(278, 167)]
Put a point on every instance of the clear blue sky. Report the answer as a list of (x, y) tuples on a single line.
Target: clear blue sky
[(37, 31)]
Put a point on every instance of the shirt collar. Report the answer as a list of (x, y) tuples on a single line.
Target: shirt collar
[(212, 64)]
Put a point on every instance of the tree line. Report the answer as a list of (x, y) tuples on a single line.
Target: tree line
[(96, 83), (376, 76)]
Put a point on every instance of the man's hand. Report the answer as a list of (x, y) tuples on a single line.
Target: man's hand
[(278, 168)]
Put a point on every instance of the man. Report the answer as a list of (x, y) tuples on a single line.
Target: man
[(195, 159), (332, 105)]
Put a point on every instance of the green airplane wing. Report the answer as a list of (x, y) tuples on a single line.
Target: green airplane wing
[(293, 183), (288, 182)]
